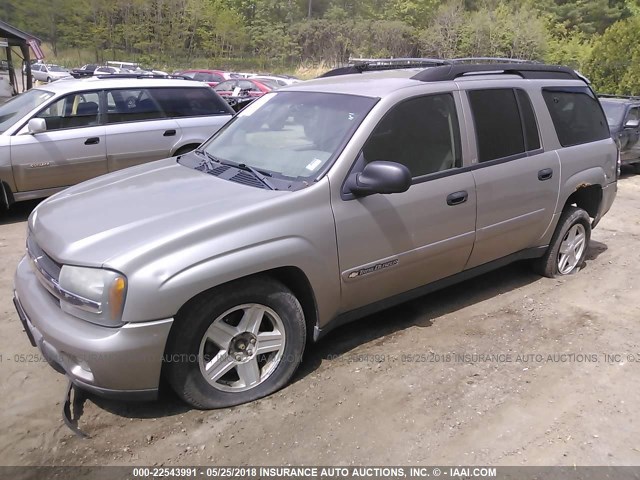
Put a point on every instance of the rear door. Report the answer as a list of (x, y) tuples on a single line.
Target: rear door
[(199, 111), (71, 150), (389, 244), (517, 182), (137, 129)]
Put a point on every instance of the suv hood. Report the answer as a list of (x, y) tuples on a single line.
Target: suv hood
[(136, 210)]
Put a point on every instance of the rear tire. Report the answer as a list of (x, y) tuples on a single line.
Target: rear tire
[(568, 247), (235, 344), (636, 167), (48, 79)]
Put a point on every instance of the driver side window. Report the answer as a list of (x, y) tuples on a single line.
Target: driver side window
[(421, 133), (73, 111)]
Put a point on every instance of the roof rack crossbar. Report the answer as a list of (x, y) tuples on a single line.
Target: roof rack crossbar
[(525, 70)]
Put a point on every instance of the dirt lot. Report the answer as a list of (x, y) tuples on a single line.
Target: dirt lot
[(389, 389)]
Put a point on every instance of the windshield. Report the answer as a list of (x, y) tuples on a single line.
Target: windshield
[(290, 134), (614, 112), (16, 108)]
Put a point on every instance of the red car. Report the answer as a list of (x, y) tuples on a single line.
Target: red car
[(212, 77), (240, 87)]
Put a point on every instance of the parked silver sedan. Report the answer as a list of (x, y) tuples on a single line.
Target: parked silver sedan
[(66, 132)]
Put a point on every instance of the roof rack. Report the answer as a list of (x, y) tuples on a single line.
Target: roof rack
[(438, 69), (492, 60), (524, 70), (360, 65), (110, 76), (611, 95)]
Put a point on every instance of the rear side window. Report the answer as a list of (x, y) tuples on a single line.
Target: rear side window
[(131, 106), (576, 115), (189, 102), (497, 121)]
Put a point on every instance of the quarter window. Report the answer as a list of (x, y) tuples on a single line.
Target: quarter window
[(73, 111), (576, 114), (421, 133)]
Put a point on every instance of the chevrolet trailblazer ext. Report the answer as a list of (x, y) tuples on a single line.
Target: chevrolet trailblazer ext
[(317, 204)]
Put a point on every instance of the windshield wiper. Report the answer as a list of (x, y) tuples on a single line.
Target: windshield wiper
[(256, 173), (208, 160)]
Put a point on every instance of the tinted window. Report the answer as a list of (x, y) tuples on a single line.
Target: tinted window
[(131, 106), (531, 137), (189, 102), (497, 121), (576, 114), (73, 111), (421, 133)]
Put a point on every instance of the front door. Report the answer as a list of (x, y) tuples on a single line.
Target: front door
[(71, 150), (389, 244)]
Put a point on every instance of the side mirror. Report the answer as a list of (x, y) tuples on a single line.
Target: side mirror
[(37, 125), (380, 177), (633, 123)]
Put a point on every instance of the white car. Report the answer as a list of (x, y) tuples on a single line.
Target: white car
[(281, 80), (48, 73)]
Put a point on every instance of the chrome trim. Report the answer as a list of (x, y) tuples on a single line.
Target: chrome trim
[(39, 260)]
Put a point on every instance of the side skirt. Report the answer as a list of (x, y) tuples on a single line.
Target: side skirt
[(380, 305)]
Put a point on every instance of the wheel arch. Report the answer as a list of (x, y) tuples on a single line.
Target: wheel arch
[(291, 277), (184, 148), (6, 195), (584, 190)]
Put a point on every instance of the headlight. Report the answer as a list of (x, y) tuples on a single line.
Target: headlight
[(93, 294)]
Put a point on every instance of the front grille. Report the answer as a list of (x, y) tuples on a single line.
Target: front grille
[(47, 270)]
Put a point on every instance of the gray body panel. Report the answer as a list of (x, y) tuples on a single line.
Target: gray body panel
[(175, 232)]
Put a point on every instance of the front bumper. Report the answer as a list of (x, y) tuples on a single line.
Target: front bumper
[(122, 362)]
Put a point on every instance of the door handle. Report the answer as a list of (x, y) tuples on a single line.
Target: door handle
[(545, 174), (92, 141), (169, 133), (457, 198)]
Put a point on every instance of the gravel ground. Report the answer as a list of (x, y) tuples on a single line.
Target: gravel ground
[(506, 369)]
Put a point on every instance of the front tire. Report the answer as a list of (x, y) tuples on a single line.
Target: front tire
[(235, 344), (568, 247)]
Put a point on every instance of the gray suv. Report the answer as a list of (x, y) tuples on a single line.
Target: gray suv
[(69, 131), (316, 205)]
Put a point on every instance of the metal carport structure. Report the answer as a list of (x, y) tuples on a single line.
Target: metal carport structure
[(10, 37)]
